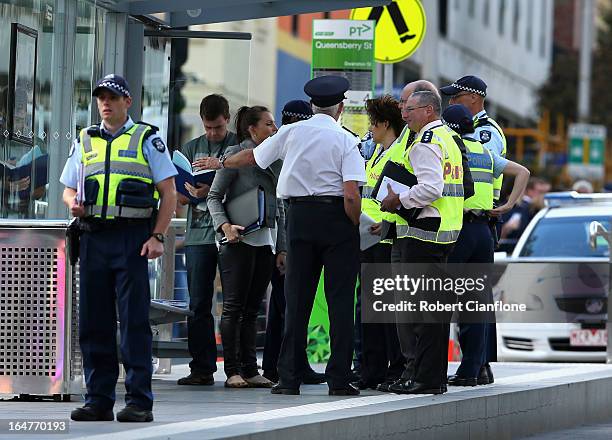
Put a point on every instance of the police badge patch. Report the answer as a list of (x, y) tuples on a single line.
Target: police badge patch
[(159, 145), (485, 136)]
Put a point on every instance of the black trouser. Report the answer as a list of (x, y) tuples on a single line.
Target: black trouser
[(382, 359), (201, 264), (320, 235), (245, 275), (275, 325), (431, 349), (114, 278), (405, 331), (477, 340)]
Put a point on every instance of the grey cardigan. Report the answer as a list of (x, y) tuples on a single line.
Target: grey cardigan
[(230, 183)]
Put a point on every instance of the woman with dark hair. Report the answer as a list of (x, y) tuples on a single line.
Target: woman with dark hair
[(246, 262), (382, 362)]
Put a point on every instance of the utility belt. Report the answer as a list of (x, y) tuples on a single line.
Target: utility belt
[(333, 200), (475, 217), (94, 224)]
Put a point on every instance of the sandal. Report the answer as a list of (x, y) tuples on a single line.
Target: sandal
[(236, 381), (258, 381)]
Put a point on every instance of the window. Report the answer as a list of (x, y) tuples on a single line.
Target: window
[(443, 15), (529, 20), (516, 17), (485, 14), (501, 17), (471, 7), (295, 20), (543, 25)]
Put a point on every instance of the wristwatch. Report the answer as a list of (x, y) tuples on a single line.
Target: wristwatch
[(159, 236), (221, 160)]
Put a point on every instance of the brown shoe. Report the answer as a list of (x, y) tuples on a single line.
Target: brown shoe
[(197, 379), (258, 381), (236, 381)]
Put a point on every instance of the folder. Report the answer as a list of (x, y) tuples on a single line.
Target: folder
[(398, 173), (248, 210), (187, 174)]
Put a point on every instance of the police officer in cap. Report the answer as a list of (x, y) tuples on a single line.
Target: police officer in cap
[(471, 92), (475, 243), (321, 174), (126, 168)]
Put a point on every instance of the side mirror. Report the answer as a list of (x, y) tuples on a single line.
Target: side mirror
[(596, 229)]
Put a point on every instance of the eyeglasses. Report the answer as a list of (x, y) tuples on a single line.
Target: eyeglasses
[(409, 109)]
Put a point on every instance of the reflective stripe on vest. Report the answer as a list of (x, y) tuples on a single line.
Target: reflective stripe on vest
[(481, 168), (450, 205), (498, 181), (127, 161)]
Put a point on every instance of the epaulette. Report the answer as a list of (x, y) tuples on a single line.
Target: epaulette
[(481, 122), (427, 136), (150, 132), (94, 131), (351, 132)]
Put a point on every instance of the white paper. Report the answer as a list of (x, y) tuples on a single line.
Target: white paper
[(367, 239), (397, 188), (80, 195)]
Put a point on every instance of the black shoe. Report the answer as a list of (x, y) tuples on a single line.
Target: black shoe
[(485, 376), (278, 389), (362, 385), (349, 390), (132, 413), (384, 387), (400, 386), (355, 375), (313, 378), (421, 388), (271, 376), (89, 413), (197, 379), (459, 381)]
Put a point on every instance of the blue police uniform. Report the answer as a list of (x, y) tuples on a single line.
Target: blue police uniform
[(114, 279), (488, 135), (475, 245)]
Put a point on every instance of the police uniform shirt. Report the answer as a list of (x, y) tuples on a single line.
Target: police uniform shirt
[(426, 160), (318, 154), (154, 150), (488, 135)]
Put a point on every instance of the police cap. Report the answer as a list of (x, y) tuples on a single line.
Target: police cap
[(113, 83), (297, 109), (459, 118), (328, 90), (469, 83)]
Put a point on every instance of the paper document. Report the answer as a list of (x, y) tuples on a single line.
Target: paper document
[(366, 239), (396, 186), (80, 195)]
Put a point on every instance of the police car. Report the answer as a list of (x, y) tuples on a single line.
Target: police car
[(571, 279)]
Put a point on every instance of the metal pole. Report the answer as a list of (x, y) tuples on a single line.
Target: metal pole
[(388, 79), (586, 48)]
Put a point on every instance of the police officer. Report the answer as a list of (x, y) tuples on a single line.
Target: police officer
[(430, 237), (471, 91), (475, 243), (321, 174), (114, 176)]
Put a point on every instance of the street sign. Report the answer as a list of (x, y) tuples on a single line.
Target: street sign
[(400, 28), (346, 48), (586, 154)]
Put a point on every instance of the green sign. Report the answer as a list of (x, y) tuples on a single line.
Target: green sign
[(346, 48), (586, 151)]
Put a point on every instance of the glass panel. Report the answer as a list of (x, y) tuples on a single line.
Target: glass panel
[(202, 67), (155, 84), (25, 103)]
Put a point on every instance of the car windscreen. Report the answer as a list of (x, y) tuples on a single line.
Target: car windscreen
[(565, 237)]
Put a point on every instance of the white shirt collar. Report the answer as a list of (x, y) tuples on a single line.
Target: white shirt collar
[(429, 126), (480, 114), (128, 124)]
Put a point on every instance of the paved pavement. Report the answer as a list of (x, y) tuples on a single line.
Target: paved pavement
[(216, 412), (590, 432)]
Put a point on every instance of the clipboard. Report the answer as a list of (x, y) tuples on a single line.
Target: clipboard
[(400, 174)]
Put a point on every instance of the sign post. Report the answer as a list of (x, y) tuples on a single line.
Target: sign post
[(346, 48), (586, 151)]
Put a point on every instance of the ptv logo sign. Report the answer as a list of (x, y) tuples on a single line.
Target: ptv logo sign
[(358, 30), (456, 171)]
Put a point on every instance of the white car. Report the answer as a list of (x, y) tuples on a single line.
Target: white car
[(574, 276)]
